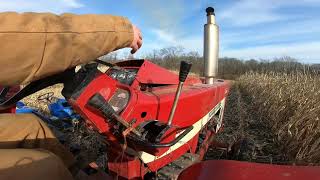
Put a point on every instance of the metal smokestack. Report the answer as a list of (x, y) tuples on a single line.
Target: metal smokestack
[(211, 47)]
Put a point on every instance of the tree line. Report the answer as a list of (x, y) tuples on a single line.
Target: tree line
[(229, 68)]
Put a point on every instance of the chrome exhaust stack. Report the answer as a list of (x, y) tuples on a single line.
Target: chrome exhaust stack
[(211, 47)]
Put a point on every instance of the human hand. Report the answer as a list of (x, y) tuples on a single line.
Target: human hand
[(137, 39)]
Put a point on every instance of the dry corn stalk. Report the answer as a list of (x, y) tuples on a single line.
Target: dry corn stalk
[(290, 104)]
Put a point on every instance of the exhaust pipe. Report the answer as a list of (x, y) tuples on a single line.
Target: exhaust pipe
[(211, 47)]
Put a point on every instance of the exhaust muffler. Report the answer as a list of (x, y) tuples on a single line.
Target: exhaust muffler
[(211, 47)]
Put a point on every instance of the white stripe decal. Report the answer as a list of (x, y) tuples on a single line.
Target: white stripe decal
[(147, 158)]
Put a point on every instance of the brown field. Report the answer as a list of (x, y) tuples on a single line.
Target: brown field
[(278, 114)]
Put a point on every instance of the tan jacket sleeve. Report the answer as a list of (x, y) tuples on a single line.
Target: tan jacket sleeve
[(35, 45)]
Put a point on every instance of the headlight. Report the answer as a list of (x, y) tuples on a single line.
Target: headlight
[(119, 100)]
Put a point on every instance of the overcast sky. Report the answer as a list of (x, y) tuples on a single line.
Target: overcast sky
[(261, 29)]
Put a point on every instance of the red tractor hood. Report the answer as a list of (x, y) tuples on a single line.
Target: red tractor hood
[(150, 73)]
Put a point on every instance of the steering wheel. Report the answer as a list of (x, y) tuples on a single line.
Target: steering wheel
[(46, 97)]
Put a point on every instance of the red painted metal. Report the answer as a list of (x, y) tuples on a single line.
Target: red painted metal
[(155, 103), (204, 146), (230, 170), (150, 73), (121, 165), (11, 110)]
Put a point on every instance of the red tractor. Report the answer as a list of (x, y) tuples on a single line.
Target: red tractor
[(156, 123)]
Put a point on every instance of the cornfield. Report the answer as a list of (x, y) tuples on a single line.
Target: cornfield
[(279, 114), (290, 105)]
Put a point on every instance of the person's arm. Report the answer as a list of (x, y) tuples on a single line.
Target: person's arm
[(35, 45)]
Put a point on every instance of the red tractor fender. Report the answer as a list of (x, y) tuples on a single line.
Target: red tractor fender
[(230, 170)]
